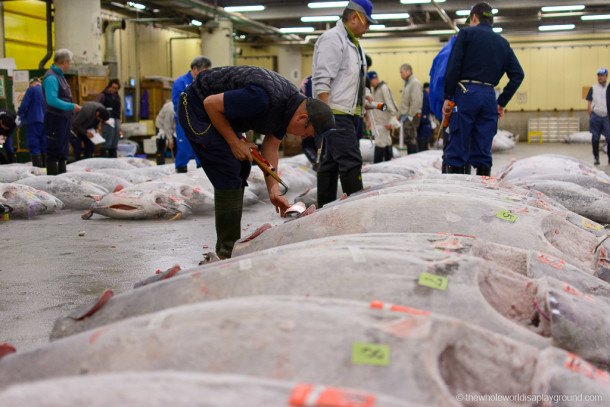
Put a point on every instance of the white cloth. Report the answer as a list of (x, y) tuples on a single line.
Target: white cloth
[(166, 121), (598, 104)]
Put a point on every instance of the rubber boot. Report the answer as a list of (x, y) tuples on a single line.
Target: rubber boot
[(228, 206), (444, 167), (61, 167), (327, 187), (468, 168), (43, 160), (112, 153), (36, 160), (484, 171), (456, 170), (181, 170), (52, 168), (351, 181)]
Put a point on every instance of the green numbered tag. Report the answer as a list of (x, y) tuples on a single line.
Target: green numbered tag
[(433, 281), (507, 216), (371, 354)]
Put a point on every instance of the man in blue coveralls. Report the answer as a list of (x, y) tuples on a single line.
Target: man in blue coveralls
[(185, 152), (218, 107), (478, 60), (31, 113)]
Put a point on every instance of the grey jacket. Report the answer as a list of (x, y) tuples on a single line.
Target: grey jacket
[(383, 94), (85, 118), (412, 97), (338, 69), (165, 121)]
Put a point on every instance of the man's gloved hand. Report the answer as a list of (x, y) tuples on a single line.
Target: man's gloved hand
[(281, 203), (18, 121)]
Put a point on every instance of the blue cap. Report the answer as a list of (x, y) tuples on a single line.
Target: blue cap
[(372, 75), (602, 71), (363, 6)]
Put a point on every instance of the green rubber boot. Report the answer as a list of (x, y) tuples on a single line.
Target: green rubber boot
[(228, 205)]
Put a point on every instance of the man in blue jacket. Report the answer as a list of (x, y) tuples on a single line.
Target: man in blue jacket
[(58, 113), (184, 151), (31, 113), (478, 60)]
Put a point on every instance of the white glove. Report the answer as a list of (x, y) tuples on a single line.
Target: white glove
[(394, 123), (18, 121)]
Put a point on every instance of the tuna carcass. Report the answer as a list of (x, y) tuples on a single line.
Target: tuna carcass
[(508, 223), (131, 176), (550, 164), (138, 162), (139, 204), (424, 163), (107, 181), (73, 193), (186, 389), (15, 172), (476, 290), (424, 359), (26, 201), (98, 163)]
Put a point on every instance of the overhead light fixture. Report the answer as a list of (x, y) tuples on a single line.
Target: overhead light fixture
[(565, 14), (244, 9), (419, 1), (156, 10), (467, 12), (328, 4), (196, 22), (135, 5), (296, 30), (591, 17), (440, 32), (315, 19), (550, 9), (392, 16), (115, 4), (559, 27), (498, 29), (377, 27)]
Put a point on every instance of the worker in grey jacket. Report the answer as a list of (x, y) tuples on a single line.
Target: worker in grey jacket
[(90, 117), (339, 72), (381, 120), (166, 123), (410, 107)]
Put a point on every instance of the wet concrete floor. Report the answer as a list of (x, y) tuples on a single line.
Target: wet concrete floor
[(47, 269)]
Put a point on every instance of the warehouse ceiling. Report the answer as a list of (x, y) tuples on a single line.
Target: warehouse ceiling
[(431, 18)]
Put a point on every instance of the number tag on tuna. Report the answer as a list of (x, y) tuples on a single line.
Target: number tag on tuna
[(433, 281), (507, 216), (371, 354), (591, 225)]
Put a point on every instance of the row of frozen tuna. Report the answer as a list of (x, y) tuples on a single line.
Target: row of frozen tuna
[(406, 319)]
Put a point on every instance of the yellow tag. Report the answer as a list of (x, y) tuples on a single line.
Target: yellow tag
[(5, 216), (433, 281), (371, 354), (590, 225), (507, 216)]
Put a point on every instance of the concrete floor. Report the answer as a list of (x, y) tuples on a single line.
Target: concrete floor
[(47, 270)]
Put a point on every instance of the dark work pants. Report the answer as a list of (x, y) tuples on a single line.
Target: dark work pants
[(472, 127), (597, 126), (161, 148), (341, 149), (382, 154), (36, 138), (81, 143), (57, 129)]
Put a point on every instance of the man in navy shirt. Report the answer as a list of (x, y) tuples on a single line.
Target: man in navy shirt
[(225, 102), (31, 113), (478, 60)]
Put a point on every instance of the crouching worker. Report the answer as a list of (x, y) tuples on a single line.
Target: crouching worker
[(227, 101), (90, 117)]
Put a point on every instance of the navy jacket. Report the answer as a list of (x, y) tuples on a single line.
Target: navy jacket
[(482, 55), (31, 109)]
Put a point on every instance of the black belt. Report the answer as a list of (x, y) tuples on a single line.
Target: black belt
[(476, 82)]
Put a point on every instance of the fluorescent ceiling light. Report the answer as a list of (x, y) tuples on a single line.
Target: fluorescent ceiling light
[(114, 3), (568, 14), (243, 9), (156, 10), (136, 5), (467, 12), (377, 26), (596, 17), (319, 18), (393, 16), (419, 1), (548, 9), (328, 4), (440, 32), (289, 30), (497, 29), (196, 22), (556, 27)]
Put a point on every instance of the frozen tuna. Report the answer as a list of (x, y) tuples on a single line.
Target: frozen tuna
[(73, 193)]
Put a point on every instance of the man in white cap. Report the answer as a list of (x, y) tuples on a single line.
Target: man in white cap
[(339, 75), (598, 112)]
